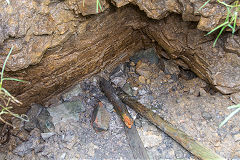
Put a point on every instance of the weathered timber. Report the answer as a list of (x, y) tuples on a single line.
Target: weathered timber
[(182, 138), (135, 142), (119, 107)]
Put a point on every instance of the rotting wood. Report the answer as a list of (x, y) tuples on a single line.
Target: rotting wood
[(135, 142), (182, 138), (119, 107)]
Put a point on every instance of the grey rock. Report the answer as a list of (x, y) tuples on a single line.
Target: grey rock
[(142, 92), (63, 155), (127, 88), (66, 111), (39, 148), (206, 115), (202, 92), (179, 154), (45, 136), (171, 68), (100, 118), (28, 146), (236, 137), (119, 81), (187, 74), (138, 123), (119, 71), (118, 76), (108, 105), (235, 98), (150, 55), (75, 91), (39, 118), (32, 115), (75, 106), (45, 121)]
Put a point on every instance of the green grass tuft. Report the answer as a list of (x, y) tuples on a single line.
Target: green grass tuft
[(6, 98), (230, 115), (98, 5), (230, 21)]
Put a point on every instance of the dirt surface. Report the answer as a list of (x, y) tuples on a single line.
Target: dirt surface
[(176, 94)]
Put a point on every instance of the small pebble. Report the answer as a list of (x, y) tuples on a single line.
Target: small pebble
[(236, 137), (142, 79), (179, 154), (202, 92), (132, 64), (206, 115), (148, 81)]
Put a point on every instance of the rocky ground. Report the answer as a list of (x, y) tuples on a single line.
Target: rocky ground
[(63, 130)]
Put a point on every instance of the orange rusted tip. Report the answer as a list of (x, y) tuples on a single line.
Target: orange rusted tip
[(128, 121), (100, 104)]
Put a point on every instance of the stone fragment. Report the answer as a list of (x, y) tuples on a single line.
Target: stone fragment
[(236, 137), (32, 116), (127, 88), (100, 118), (148, 81), (232, 44), (235, 97), (39, 118), (179, 154), (74, 92), (187, 74), (202, 92), (63, 155), (66, 111), (119, 71), (118, 75), (45, 136), (149, 138), (206, 115), (119, 81), (143, 69), (44, 120), (31, 144), (142, 79), (148, 55), (171, 67), (91, 149), (142, 92)]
